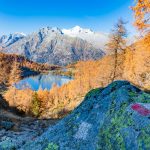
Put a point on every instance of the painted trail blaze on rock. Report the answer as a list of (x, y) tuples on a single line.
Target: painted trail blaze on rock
[(83, 131), (141, 109)]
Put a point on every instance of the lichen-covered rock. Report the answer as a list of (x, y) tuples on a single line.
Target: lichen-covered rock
[(15, 131), (6, 124), (113, 118)]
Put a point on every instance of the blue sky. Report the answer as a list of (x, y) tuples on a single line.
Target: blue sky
[(30, 15)]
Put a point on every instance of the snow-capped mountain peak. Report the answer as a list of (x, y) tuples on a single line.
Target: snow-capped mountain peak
[(95, 38), (77, 30), (19, 34), (50, 30)]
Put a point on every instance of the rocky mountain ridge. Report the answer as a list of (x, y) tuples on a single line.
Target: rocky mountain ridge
[(6, 40), (51, 45)]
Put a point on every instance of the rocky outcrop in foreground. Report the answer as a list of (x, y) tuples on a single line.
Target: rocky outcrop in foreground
[(115, 117)]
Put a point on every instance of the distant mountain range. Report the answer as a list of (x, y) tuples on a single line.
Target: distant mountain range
[(56, 46)]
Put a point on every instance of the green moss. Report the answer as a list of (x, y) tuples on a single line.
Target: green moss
[(110, 134), (113, 106), (144, 139), (7, 144), (143, 98), (132, 94), (93, 92), (52, 146), (114, 84)]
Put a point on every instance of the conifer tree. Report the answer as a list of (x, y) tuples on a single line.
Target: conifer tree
[(15, 73), (35, 106), (117, 42)]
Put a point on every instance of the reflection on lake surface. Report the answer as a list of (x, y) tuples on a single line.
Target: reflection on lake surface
[(42, 81)]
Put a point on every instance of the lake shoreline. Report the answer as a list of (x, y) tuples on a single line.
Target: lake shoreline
[(42, 81)]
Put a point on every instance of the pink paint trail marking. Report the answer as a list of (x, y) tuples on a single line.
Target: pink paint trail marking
[(140, 109)]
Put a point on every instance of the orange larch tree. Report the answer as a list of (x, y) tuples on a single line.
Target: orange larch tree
[(142, 15)]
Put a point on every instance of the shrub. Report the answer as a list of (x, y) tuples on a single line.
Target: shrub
[(52, 146)]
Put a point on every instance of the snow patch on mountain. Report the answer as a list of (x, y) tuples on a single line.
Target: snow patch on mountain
[(97, 39), (6, 40)]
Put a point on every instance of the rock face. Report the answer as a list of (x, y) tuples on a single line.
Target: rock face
[(7, 40), (115, 117), (16, 130), (50, 45)]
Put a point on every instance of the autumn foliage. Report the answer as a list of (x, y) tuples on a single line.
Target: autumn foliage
[(117, 43), (142, 15), (133, 64), (87, 75), (11, 65)]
